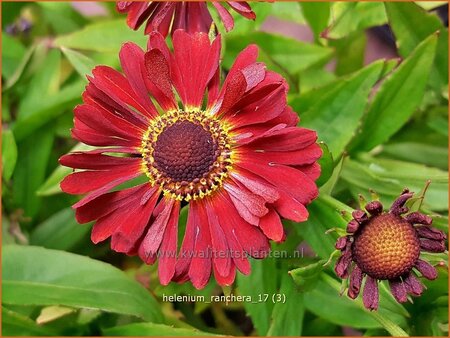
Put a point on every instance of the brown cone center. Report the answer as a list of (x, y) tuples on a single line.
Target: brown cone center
[(185, 151), (386, 247)]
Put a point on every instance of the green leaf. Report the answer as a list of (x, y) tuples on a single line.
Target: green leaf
[(350, 53), (44, 83), (326, 165), (306, 276), (38, 276), (261, 281), (53, 107), (30, 170), (287, 315), (16, 324), (13, 52), (82, 64), (104, 36), (326, 302), (317, 14), (328, 187), (397, 98), (289, 54), (336, 115), (411, 25), (423, 153), (355, 16), (324, 214), (51, 185), (151, 329), (9, 154), (61, 231), (61, 16), (413, 176)]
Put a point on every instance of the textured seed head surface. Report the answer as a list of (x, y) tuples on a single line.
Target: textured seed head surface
[(185, 151), (386, 247)]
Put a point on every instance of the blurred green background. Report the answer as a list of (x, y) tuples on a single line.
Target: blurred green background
[(371, 78)]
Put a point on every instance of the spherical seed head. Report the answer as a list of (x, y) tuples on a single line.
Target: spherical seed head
[(185, 151), (386, 247)]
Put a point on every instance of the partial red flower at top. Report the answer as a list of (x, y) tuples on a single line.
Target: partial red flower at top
[(387, 246), (172, 15), (231, 153)]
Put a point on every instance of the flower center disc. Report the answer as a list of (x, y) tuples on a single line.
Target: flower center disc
[(187, 154), (386, 247), (185, 151)]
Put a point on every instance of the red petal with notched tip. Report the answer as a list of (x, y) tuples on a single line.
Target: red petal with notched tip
[(198, 60), (271, 226), (288, 207), (227, 279)]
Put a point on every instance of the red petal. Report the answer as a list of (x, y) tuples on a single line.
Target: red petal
[(109, 202), (272, 227), (237, 253), (152, 240), (370, 294), (86, 181), (200, 268), (158, 80), (283, 177), (251, 238), (254, 203), (132, 62), (127, 213), (227, 279), (256, 185), (81, 160), (115, 85), (226, 17), (221, 254), (243, 8), (304, 156), (168, 249), (187, 247), (198, 61), (288, 207)]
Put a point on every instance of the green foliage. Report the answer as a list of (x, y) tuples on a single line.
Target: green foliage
[(382, 126), (38, 276)]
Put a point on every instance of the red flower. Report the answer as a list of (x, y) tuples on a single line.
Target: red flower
[(172, 15), (387, 246), (232, 153)]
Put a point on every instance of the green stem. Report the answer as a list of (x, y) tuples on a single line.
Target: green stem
[(391, 327)]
